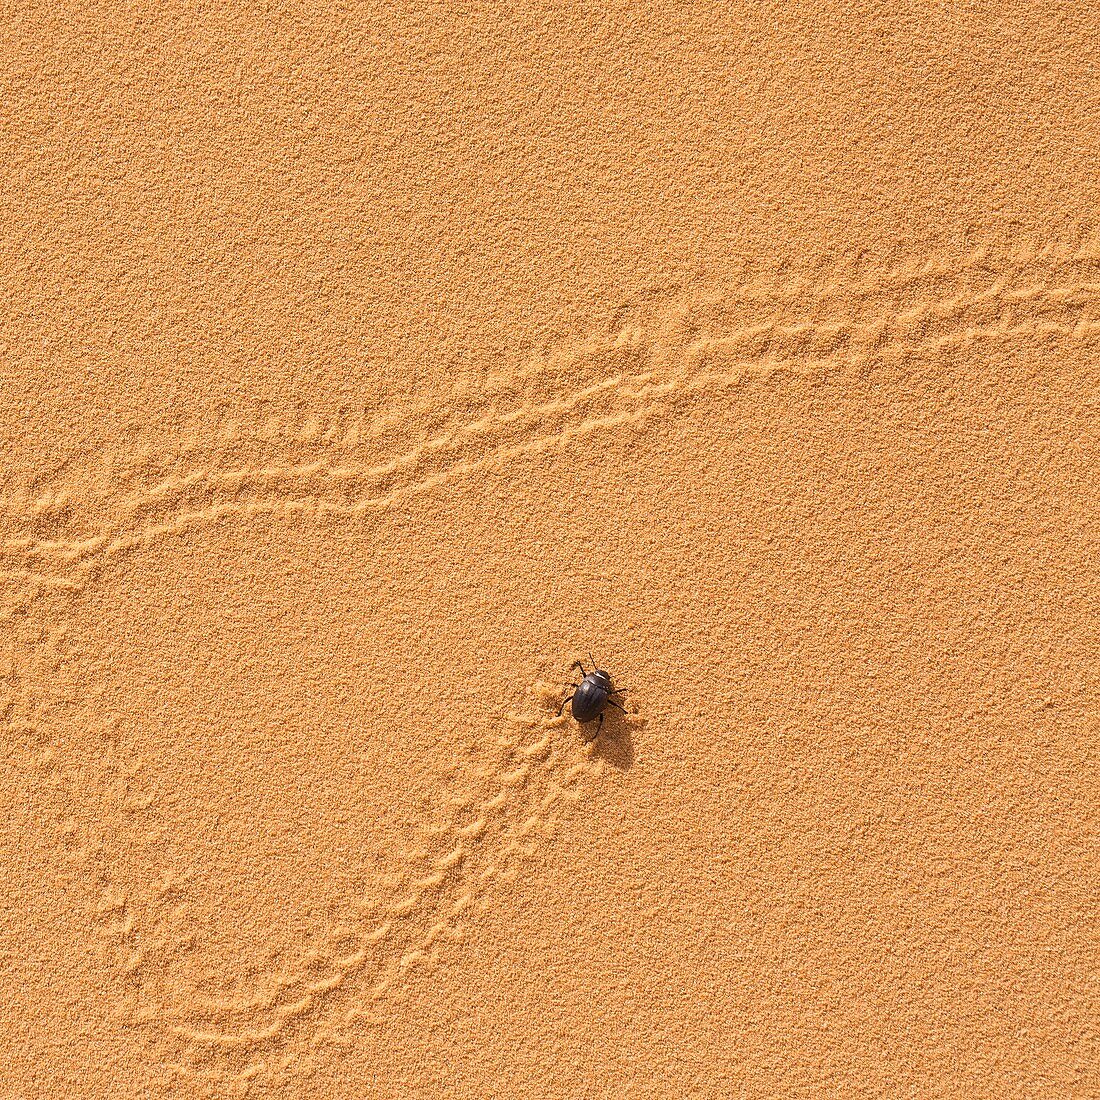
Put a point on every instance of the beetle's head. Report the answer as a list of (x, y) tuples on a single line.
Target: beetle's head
[(603, 677)]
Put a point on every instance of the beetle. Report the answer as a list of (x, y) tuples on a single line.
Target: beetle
[(592, 696)]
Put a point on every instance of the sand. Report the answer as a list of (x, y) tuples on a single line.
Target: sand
[(364, 367)]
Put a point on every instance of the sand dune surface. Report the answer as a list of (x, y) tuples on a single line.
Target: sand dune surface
[(362, 370)]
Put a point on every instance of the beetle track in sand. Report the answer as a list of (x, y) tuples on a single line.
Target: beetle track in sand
[(659, 354), (692, 347), (541, 765), (409, 936)]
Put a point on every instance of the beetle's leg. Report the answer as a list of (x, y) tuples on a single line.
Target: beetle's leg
[(563, 702), (592, 737), (612, 703), (577, 664), (619, 691)]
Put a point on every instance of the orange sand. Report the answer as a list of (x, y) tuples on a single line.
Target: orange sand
[(361, 368)]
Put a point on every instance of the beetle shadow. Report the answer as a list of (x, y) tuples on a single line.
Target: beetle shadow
[(615, 743)]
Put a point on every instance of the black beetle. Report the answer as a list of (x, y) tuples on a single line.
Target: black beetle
[(592, 696)]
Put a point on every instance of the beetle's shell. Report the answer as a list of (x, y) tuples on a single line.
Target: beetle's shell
[(590, 698)]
